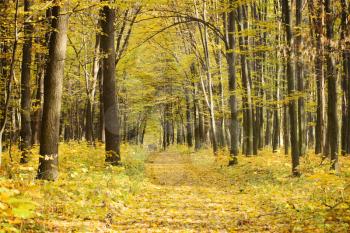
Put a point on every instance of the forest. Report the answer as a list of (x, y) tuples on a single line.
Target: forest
[(175, 116)]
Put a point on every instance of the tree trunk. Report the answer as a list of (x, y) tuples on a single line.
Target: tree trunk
[(247, 101), (188, 120), (231, 57), (201, 123), (89, 122), (197, 136), (291, 90), (276, 113), (286, 138), (26, 131), (332, 88), (317, 25), (48, 161), (39, 97), (101, 131), (109, 87), (345, 32), (10, 75), (300, 80)]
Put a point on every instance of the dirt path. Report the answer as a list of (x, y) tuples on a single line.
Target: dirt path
[(181, 196)]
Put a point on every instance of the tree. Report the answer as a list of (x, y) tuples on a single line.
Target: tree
[(345, 46), (291, 89), (109, 86), (231, 58), (332, 88), (9, 74), (26, 131), (246, 82), (300, 78), (316, 12), (49, 140)]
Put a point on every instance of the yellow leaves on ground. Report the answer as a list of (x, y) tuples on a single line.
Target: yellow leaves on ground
[(80, 200), (175, 191)]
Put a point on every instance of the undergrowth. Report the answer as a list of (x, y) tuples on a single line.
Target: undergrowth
[(84, 198), (318, 201), (89, 194)]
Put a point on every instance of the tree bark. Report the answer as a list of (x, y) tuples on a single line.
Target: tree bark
[(300, 79), (26, 131), (231, 57), (247, 101), (109, 87), (317, 27), (345, 46), (39, 99), (276, 141), (188, 120), (291, 90), (48, 162), (332, 88)]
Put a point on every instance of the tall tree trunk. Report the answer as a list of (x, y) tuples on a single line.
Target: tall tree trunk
[(317, 25), (26, 131), (91, 90), (231, 57), (291, 90), (41, 60), (332, 88), (53, 84), (10, 75), (209, 98), (300, 79), (276, 95), (345, 45), (109, 87), (247, 101)]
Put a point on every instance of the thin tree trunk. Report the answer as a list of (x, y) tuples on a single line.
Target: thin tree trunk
[(188, 120), (291, 90), (9, 81), (231, 57), (247, 101), (209, 98), (345, 45), (316, 15), (26, 131), (276, 118), (101, 132), (300, 79), (197, 136), (39, 99)]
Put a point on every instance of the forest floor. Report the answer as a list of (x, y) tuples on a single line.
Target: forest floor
[(174, 191), (180, 197)]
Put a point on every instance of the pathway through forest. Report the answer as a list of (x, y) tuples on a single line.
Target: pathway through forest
[(184, 196)]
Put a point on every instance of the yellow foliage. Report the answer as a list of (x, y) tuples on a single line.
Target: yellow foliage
[(86, 192), (174, 191)]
